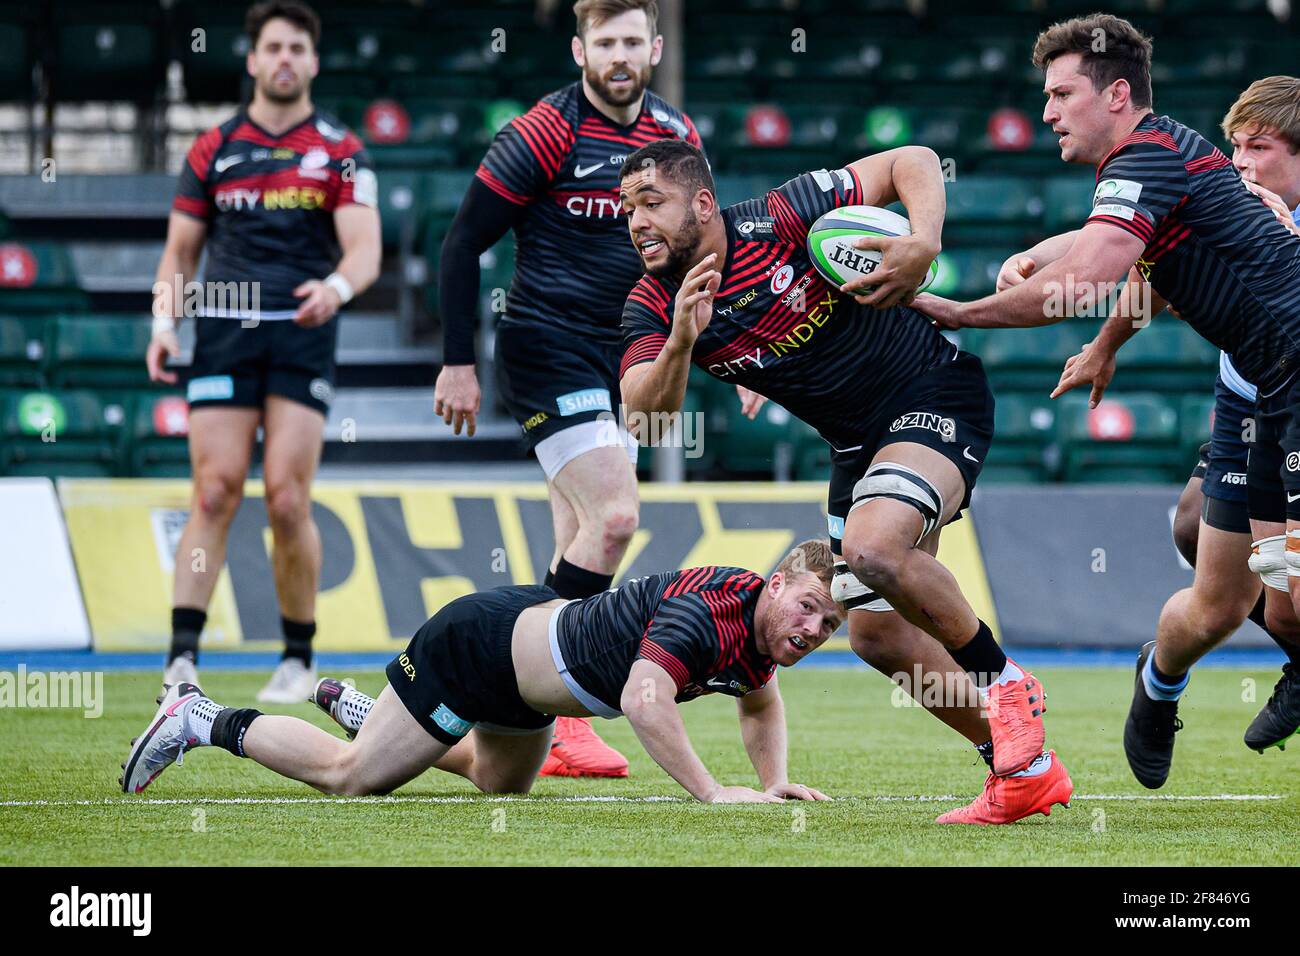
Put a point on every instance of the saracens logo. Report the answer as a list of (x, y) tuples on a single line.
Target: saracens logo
[(945, 427), (782, 279)]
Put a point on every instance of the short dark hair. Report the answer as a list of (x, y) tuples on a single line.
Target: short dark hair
[(589, 13), (297, 13), (1111, 47), (677, 160)]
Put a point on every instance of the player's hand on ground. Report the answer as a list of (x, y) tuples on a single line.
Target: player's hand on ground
[(1014, 271), (750, 401), (456, 397), (795, 791), (162, 346), (694, 307), (1275, 203), (903, 264), (945, 313), (320, 302), (742, 795), (1092, 366)]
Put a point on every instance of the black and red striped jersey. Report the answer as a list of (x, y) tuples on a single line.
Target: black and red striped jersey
[(574, 260), (1213, 250), (696, 624), (269, 203), (780, 329)]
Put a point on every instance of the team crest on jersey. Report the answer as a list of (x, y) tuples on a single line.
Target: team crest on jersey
[(321, 390), (781, 279), (946, 428)]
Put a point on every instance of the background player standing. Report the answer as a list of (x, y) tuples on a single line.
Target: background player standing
[(551, 175), (273, 193)]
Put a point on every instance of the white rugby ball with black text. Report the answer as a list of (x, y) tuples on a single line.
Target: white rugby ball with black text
[(831, 238)]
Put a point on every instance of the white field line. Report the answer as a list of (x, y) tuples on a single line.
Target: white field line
[(278, 801)]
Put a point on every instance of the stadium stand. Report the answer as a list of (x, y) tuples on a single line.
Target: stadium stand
[(426, 88)]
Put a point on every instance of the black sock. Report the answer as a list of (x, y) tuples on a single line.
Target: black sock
[(187, 625), (229, 727), (981, 656), (572, 581), (297, 639), (986, 752), (1291, 650)]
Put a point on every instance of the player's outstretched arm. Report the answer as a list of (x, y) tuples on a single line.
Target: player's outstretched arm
[(762, 728), (648, 704), (1100, 255), (180, 260), (1135, 306), (912, 175), (1022, 265)]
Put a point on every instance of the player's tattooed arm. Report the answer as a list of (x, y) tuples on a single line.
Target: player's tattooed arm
[(357, 228), (912, 175), (180, 261), (660, 386), (762, 728), (648, 704)]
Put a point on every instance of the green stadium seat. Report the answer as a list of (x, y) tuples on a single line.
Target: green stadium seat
[(212, 62), (61, 434), (98, 352), (107, 51), (968, 273), (1024, 430), (1129, 437), (1195, 419), (1067, 201), (1168, 355), (1028, 359), (37, 277), (22, 350), (403, 202), (992, 209), (158, 436), (764, 446), (447, 189)]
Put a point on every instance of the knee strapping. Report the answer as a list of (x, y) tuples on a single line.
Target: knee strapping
[(888, 479), (1271, 561)]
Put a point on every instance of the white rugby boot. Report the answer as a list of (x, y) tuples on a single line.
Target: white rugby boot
[(292, 683), (164, 741)]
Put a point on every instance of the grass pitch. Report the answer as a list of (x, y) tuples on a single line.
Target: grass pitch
[(893, 769)]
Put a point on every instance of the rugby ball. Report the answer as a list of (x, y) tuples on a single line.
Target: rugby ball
[(830, 243)]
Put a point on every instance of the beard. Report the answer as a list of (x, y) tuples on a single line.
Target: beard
[(683, 250), (282, 97), (640, 80)]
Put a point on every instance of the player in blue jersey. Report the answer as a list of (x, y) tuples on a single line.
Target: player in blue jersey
[(551, 175), (1170, 210), (477, 690), (283, 199), (907, 415)]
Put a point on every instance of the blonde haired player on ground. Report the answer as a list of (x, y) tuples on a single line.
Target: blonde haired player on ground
[(551, 176), (477, 690), (284, 199)]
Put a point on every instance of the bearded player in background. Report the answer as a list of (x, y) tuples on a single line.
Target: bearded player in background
[(551, 175), (273, 193)]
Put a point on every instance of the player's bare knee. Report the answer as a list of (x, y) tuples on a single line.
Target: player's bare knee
[(877, 564), (217, 496), (287, 507), (618, 523)]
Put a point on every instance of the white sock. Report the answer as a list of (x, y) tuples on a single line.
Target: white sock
[(198, 718), (353, 706), (1042, 763), (1010, 674)]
